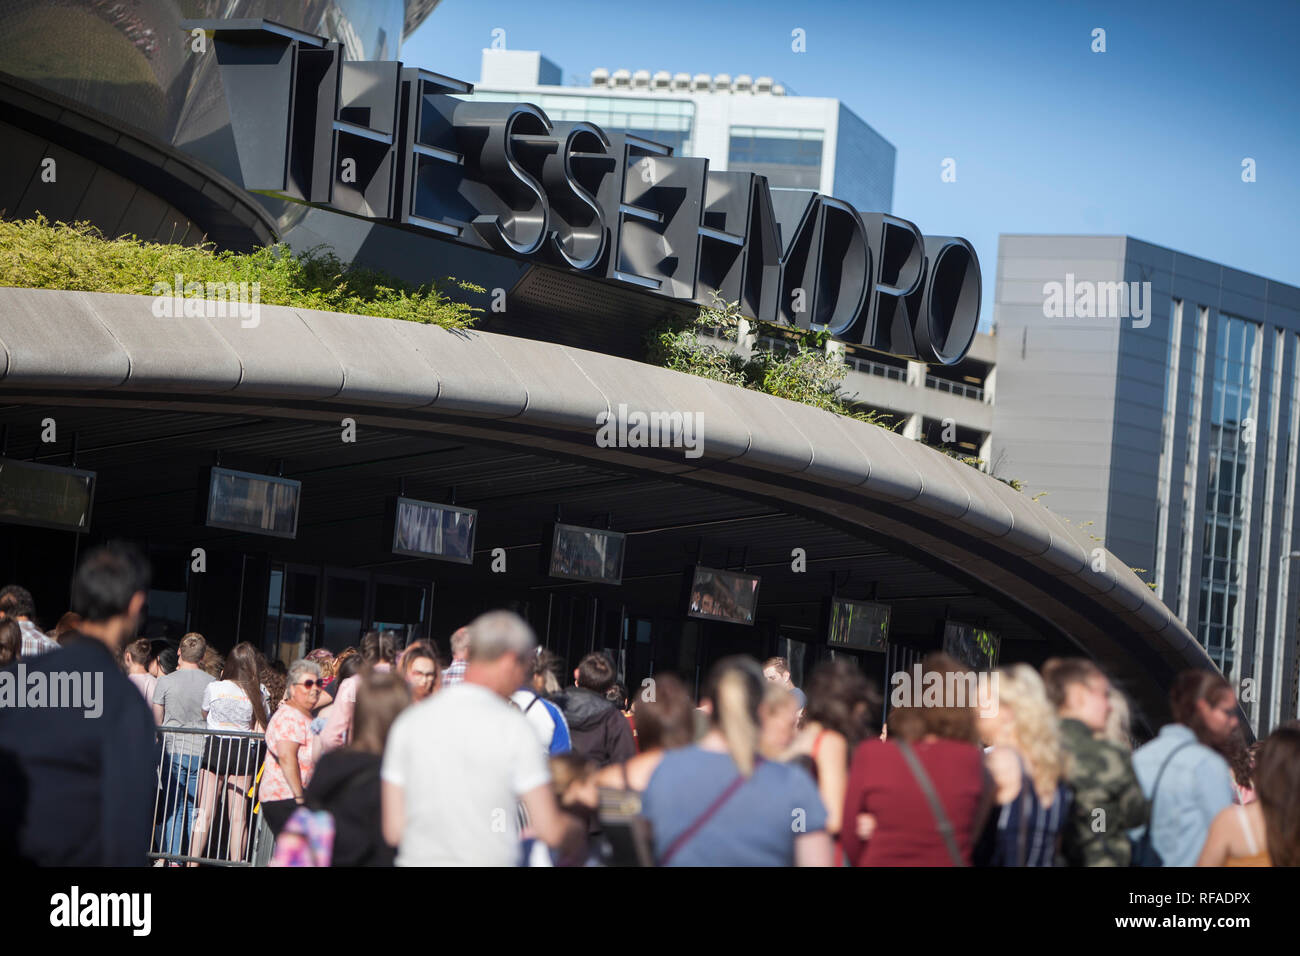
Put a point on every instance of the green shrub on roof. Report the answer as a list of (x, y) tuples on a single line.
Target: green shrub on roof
[(38, 254)]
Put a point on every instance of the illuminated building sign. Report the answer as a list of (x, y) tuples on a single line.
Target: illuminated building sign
[(385, 142)]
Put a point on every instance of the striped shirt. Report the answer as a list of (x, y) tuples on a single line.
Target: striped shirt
[(1028, 832), (455, 673), (34, 640)]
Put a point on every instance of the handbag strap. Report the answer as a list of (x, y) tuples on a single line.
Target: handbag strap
[(705, 817), (936, 807), (1156, 786)]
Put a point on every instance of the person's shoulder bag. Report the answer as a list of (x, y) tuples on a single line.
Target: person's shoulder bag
[(1144, 851)]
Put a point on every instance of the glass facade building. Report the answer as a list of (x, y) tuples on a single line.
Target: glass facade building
[(1171, 435), (789, 158), (663, 120), (1230, 467), (797, 142)]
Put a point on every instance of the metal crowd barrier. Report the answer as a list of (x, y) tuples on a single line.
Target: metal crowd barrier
[(203, 813)]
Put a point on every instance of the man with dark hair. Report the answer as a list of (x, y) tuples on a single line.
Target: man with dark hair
[(16, 604), (1106, 791), (597, 728), (77, 782)]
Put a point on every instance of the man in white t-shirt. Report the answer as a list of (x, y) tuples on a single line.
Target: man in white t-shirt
[(456, 766)]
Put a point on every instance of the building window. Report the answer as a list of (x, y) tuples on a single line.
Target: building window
[(667, 122), (1281, 707), (1266, 538), (1191, 469), (1167, 443), (1231, 457), (789, 158)]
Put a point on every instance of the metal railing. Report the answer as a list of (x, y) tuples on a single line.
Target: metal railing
[(203, 812), (876, 368), (956, 388)]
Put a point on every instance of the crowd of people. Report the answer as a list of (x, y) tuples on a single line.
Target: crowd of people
[(502, 756)]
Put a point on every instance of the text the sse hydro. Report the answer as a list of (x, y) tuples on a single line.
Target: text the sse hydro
[(383, 142)]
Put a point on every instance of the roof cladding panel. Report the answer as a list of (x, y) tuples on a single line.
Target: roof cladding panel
[(978, 538)]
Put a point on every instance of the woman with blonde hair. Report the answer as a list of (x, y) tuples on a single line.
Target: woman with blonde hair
[(325, 660), (1027, 763), (719, 803), (1119, 722)]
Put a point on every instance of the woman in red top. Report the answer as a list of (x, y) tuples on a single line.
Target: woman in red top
[(888, 819)]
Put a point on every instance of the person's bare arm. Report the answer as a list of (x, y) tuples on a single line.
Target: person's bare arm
[(556, 829), (813, 849), (833, 778), (1218, 842), (611, 776), (158, 714), (287, 753), (394, 812), (852, 836), (1005, 770)]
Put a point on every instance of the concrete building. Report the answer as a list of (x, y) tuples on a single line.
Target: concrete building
[(737, 123), (948, 406), (500, 420), (1155, 398)]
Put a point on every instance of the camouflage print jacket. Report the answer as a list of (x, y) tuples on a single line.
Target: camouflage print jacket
[(1108, 800)]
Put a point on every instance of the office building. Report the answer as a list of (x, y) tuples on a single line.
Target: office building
[(737, 123), (1154, 397)]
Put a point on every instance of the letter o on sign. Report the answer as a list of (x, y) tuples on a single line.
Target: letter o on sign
[(949, 310)]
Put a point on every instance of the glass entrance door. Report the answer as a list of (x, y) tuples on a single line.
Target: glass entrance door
[(309, 607), (292, 599), (401, 607), (344, 612)]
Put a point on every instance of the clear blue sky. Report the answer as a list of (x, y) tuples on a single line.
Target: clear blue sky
[(1146, 139)]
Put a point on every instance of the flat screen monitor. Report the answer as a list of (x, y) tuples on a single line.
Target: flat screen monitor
[(859, 625), (422, 529), (587, 554), (46, 496), (256, 504), (975, 647), (723, 596)]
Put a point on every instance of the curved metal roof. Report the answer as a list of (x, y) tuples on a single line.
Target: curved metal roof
[(297, 363)]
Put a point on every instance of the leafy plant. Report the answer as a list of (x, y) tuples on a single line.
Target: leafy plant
[(38, 254), (804, 373)]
